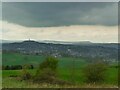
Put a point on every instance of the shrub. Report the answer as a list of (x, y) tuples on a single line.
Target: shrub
[(31, 67), (95, 72), (47, 71), (45, 75), (50, 62), (25, 74)]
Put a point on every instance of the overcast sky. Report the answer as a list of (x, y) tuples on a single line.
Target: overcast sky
[(95, 22)]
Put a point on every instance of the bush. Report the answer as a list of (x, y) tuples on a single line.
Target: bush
[(47, 71), (95, 72), (31, 67), (25, 74), (50, 62), (45, 75)]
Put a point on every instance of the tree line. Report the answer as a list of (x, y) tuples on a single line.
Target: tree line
[(17, 67)]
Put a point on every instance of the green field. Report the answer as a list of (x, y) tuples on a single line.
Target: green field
[(78, 79), (65, 71), (21, 59)]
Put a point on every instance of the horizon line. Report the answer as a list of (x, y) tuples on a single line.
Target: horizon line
[(49, 41)]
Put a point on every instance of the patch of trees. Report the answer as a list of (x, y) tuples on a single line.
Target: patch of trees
[(17, 67)]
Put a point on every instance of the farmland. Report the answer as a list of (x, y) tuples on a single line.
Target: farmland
[(17, 58), (64, 71), (8, 82)]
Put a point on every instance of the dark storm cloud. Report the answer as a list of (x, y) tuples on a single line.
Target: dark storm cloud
[(38, 14)]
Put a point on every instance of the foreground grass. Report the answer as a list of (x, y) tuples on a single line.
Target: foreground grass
[(0, 79), (64, 74), (13, 83)]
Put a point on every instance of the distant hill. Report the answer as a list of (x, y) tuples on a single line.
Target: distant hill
[(107, 51), (10, 41), (64, 42)]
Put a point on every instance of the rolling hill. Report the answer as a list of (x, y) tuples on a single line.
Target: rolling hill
[(107, 51)]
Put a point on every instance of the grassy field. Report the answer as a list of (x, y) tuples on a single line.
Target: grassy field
[(21, 59), (65, 72)]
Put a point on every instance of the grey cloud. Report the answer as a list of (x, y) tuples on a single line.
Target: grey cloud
[(40, 14)]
